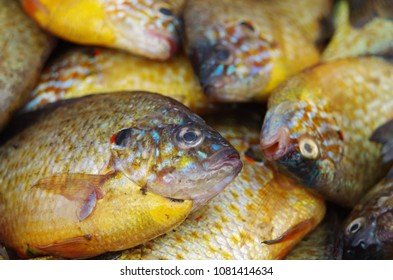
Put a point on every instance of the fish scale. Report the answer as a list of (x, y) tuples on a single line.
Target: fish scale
[(258, 205), (71, 165), (82, 71), (358, 94)]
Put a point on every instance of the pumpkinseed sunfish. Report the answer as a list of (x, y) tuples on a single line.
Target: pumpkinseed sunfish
[(106, 172), (143, 27), (242, 49), (319, 122)]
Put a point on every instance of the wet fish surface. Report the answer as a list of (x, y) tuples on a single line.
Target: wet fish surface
[(142, 27), (24, 49), (82, 71), (368, 229), (241, 50), (106, 172), (261, 215), (363, 27), (319, 122)]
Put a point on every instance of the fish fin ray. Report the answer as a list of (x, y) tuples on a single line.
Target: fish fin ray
[(81, 191)]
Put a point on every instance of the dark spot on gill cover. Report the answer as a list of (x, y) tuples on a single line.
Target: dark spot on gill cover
[(122, 137)]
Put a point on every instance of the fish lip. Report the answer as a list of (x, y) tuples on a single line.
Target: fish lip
[(170, 42), (277, 145), (226, 157)]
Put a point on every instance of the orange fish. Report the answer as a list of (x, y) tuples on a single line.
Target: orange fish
[(146, 28)]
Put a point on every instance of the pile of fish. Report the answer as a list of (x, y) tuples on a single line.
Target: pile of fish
[(196, 129)]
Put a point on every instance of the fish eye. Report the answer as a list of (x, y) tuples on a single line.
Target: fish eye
[(189, 137), (165, 11), (355, 225), (308, 148), (222, 53)]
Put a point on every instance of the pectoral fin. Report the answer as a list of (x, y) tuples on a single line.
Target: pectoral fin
[(71, 196)]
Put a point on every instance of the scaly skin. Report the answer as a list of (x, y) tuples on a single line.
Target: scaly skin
[(331, 110), (106, 172), (146, 28), (241, 50), (84, 71), (369, 32), (259, 205), (368, 230), (23, 51)]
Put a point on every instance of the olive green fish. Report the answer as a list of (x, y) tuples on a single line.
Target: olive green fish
[(319, 122), (362, 27), (242, 49), (106, 172), (24, 48)]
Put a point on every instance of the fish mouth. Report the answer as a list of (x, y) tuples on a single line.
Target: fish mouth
[(165, 46), (227, 157), (277, 145)]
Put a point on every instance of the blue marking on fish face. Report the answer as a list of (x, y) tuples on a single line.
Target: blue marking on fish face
[(156, 136), (218, 71), (216, 147)]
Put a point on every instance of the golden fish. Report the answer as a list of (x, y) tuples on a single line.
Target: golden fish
[(324, 242), (242, 49), (84, 71), (362, 27), (261, 215), (105, 173), (319, 122), (143, 27), (24, 49)]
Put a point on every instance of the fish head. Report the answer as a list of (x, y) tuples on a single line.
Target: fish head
[(303, 140), (360, 238), (231, 60), (188, 161), (155, 24)]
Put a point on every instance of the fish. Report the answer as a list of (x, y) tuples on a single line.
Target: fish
[(241, 50), (325, 242), (368, 229), (361, 28), (146, 28), (260, 215), (106, 172), (319, 122), (87, 70), (384, 136), (24, 49)]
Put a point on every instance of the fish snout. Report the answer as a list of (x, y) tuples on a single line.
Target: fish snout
[(275, 146), (227, 157)]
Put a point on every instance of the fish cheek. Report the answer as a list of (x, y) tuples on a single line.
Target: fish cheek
[(304, 170), (133, 153)]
